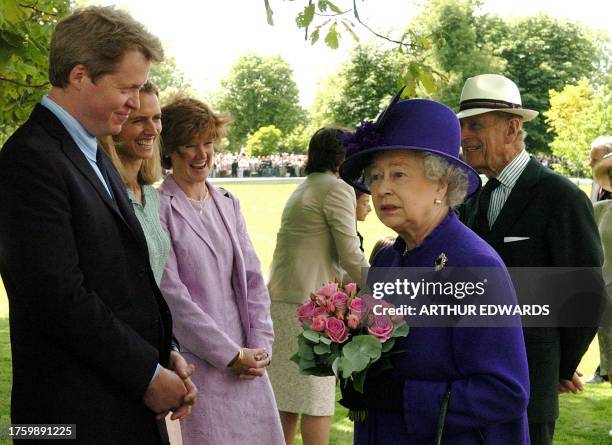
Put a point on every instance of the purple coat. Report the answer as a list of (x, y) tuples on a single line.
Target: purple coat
[(485, 367), (218, 309)]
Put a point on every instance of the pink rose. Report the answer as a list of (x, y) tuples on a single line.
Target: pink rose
[(336, 330), (356, 306), (318, 324), (350, 289), (380, 326), (339, 300), (353, 321), (328, 290), (305, 311), (319, 312)]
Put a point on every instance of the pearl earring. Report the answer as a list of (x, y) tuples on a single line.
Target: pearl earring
[(437, 201)]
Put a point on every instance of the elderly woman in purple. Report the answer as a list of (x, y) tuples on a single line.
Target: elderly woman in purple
[(214, 287), (476, 377)]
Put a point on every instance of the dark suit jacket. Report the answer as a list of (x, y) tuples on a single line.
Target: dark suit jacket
[(88, 323), (558, 219)]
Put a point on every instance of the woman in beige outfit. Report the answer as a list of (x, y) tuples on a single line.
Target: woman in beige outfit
[(316, 243)]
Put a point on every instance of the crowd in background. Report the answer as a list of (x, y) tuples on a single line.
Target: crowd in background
[(243, 166)]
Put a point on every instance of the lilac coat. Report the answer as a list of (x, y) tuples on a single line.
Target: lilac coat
[(214, 319)]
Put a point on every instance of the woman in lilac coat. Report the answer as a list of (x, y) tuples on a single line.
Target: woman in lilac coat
[(214, 287), (455, 381)]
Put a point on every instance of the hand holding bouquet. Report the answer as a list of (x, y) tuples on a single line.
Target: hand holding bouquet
[(343, 336)]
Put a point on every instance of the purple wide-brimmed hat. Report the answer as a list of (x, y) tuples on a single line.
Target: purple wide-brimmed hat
[(417, 124)]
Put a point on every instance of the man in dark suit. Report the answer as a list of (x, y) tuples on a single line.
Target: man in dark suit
[(91, 335), (533, 217)]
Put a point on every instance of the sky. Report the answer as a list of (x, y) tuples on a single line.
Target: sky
[(205, 37)]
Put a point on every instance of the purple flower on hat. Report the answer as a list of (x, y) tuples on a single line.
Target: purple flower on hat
[(365, 136)]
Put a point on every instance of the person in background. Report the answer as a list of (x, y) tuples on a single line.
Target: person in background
[(603, 217), (449, 384), (214, 287), (600, 147), (361, 211), (317, 241), (135, 155)]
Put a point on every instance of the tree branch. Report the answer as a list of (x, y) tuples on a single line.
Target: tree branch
[(23, 84), (356, 13)]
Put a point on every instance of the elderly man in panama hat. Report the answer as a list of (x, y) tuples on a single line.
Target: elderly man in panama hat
[(533, 217)]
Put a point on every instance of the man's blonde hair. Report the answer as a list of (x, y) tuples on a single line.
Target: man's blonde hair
[(97, 37)]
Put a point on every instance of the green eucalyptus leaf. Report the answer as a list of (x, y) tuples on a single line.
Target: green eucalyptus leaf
[(359, 380), (321, 349), (400, 330), (314, 37), (313, 336), (388, 345)]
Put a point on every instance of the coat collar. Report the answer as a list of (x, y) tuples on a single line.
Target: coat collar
[(121, 206)]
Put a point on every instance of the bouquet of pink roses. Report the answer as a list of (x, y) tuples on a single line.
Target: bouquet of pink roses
[(344, 337)]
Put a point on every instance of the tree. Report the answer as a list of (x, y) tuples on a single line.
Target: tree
[(260, 91), (264, 141), (462, 50), (297, 141), (332, 20), (544, 54), (166, 75), (25, 34), (577, 115), (362, 85)]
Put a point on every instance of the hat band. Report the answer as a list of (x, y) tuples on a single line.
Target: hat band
[(487, 103)]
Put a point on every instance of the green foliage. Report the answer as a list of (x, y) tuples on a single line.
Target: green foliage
[(544, 54), (457, 49), (297, 141), (166, 75), (264, 141), (361, 87), (25, 33), (578, 114), (260, 91)]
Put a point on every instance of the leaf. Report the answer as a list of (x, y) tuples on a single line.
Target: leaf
[(322, 5), (305, 352), (332, 38), (400, 330), (361, 351), (359, 380), (334, 7), (321, 349), (314, 37), (348, 27), (313, 336), (11, 12), (388, 345), (427, 80), (295, 358), (324, 339), (304, 18), (269, 13)]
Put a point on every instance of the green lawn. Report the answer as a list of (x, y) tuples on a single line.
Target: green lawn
[(585, 418)]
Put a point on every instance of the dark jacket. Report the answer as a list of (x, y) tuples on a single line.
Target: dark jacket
[(557, 218), (88, 323)]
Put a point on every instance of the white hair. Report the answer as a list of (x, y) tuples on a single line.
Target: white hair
[(437, 168), (602, 142)]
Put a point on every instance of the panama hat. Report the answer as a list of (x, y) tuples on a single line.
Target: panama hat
[(601, 172), (492, 92), (418, 125)]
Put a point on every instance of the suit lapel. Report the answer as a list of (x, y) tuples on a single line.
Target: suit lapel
[(122, 208), (181, 205), (517, 201)]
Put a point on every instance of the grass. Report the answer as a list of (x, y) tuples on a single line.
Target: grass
[(585, 418)]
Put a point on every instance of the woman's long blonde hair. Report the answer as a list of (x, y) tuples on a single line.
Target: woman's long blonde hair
[(150, 169)]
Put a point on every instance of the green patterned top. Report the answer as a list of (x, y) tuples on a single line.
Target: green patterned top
[(156, 236)]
